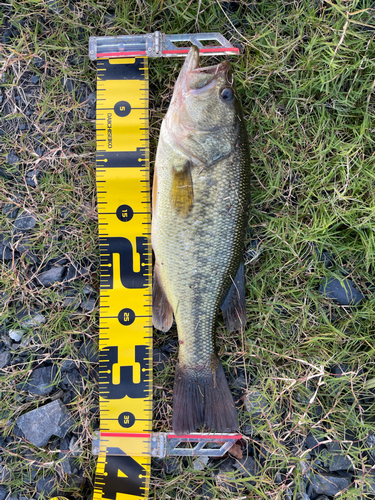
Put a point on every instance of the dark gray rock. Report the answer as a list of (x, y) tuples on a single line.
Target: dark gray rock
[(55, 274), (322, 497), (73, 381), (329, 484), (302, 496), (248, 430), (5, 253), (226, 465), (370, 443), (22, 244), (259, 409), (90, 350), (35, 79), (160, 358), (92, 99), (39, 151), (67, 365), (312, 442), (11, 209), (207, 491), (12, 158), (171, 465), (325, 256), (69, 84), (170, 347), (76, 271), (336, 460), (3, 492), (340, 369), (40, 381), (4, 359), (4, 474), (88, 305), (200, 463), (10, 33), (238, 382), (340, 463), (247, 466), (66, 464), (342, 290), (49, 420), (47, 485), (367, 478), (72, 302), (39, 63), (68, 397), (25, 221)]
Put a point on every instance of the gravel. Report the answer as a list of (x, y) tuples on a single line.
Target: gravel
[(16, 335), (12, 158), (5, 358), (312, 442), (329, 484), (89, 350), (88, 305), (47, 485), (160, 358), (25, 221), (55, 274), (5, 253), (40, 424), (40, 381), (200, 463), (342, 290), (76, 271), (259, 409), (247, 466)]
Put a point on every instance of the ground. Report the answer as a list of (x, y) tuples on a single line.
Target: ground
[(302, 371)]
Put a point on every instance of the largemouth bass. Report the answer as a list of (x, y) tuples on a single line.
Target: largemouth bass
[(200, 214)]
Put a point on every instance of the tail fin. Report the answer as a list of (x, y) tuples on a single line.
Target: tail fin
[(201, 398)]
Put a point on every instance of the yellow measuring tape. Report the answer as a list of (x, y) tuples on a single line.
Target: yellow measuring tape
[(125, 338)]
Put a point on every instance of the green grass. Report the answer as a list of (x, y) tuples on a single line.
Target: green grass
[(306, 77)]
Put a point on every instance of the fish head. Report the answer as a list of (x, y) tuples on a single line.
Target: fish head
[(204, 101)]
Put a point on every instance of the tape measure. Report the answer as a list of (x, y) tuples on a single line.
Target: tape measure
[(124, 209), (125, 334)]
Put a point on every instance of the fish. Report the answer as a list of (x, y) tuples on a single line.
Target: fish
[(200, 213)]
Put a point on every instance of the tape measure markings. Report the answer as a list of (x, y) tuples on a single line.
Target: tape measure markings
[(125, 338)]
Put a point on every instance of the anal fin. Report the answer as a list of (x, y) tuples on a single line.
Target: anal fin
[(234, 306), (162, 312)]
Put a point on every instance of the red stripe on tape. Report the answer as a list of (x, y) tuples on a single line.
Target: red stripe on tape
[(207, 436), (215, 49), (125, 434), (122, 54)]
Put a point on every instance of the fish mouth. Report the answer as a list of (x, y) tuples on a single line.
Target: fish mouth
[(199, 77)]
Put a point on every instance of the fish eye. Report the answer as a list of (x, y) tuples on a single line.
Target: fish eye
[(226, 94)]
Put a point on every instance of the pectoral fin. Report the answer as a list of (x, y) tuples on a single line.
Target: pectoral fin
[(182, 194), (162, 312), (234, 306)]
